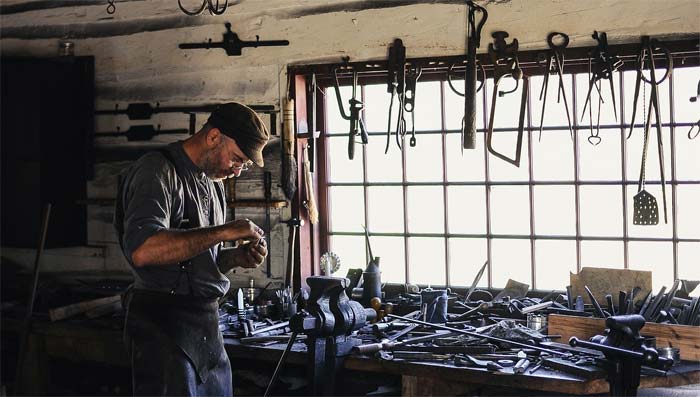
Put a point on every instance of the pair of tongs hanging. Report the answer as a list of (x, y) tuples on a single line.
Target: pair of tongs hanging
[(357, 126), (396, 86), (555, 60), (603, 65), (473, 42), (504, 58), (646, 210)]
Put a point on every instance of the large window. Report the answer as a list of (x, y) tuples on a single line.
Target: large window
[(435, 214)]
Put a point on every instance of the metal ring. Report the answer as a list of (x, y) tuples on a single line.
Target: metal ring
[(483, 79), (191, 13), (654, 45)]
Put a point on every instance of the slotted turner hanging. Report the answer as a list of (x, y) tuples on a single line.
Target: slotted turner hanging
[(646, 209)]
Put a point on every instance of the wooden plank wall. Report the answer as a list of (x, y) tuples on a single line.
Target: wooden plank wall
[(137, 60)]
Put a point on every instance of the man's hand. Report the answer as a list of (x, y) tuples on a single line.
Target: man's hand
[(252, 255), (244, 229)]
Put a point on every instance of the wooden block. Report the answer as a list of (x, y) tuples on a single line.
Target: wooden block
[(61, 313), (684, 337), (604, 281)]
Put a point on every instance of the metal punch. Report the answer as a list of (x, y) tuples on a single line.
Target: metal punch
[(357, 126), (504, 58), (555, 60), (603, 66)]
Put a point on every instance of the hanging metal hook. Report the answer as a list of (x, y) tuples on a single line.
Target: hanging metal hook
[(111, 8)]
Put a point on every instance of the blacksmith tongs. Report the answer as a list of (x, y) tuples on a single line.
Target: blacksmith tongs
[(555, 59), (604, 64), (356, 107)]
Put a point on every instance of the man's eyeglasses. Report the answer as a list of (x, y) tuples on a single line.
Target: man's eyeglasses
[(245, 166)]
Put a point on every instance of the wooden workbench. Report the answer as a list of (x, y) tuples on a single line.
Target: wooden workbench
[(85, 342)]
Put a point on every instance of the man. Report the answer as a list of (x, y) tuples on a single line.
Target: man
[(170, 217)]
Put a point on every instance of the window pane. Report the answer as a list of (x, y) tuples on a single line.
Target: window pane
[(467, 209), (427, 260), (607, 113), (510, 210), (382, 167), (554, 260), (392, 263), (656, 257), (608, 254), (645, 96), (505, 144), (342, 168), (510, 259), (555, 110), (377, 110), (685, 86), (601, 210), (424, 161), (555, 210), (467, 165), (687, 155), (660, 230), (467, 255), (425, 209), (688, 254), (634, 155), (428, 113), (688, 197), (454, 106), (352, 253), (385, 208), (601, 162), (334, 122), (347, 208), (553, 157)]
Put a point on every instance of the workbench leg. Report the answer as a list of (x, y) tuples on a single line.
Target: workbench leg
[(413, 386), (35, 375)]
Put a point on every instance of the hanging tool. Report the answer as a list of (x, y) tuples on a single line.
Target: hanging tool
[(555, 59), (213, 9), (289, 163), (311, 112), (310, 202), (232, 44), (354, 117), (267, 182), (473, 42), (646, 210), (504, 58), (294, 224), (409, 104), (111, 8), (396, 86), (604, 65), (695, 126)]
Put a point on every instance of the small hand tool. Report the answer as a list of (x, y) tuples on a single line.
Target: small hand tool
[(232, 44), (409, 104), (504, 58), (475, 282), (473, 42), (356, 107), (521, 366), (555, 59), (604, 64), (611, 304), (569, 297), (396, 86), (645, 208), (622, 303), (599, 311)]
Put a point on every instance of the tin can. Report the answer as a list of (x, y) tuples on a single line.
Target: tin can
[(536, 321)]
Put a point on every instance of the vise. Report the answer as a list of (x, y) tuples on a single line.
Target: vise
[(328, 321), (625, 353)]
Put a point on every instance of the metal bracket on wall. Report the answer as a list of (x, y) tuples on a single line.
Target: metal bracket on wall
[(232, 44)]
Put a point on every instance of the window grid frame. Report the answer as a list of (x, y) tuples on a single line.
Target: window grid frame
[(489, 236)]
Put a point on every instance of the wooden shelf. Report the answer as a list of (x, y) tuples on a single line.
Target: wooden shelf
[(257, 203)]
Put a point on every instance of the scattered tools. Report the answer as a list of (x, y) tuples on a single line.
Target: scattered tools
[(473, 42), (409, 103), (604, 65), (289, 163), (267, 186), (646, 211), (232, 44), (396, 86), (472, 287), (598, 310), (555, 59), (357, 126), (504, 58)]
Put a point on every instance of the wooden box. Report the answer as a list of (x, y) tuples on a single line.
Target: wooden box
[(684, 337)]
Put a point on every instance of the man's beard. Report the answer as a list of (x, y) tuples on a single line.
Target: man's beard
[(210, 164)]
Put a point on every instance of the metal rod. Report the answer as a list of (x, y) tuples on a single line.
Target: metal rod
[(275, 375), (477, 335)]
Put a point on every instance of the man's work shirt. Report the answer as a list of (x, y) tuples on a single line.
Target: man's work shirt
[(158, 194)]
